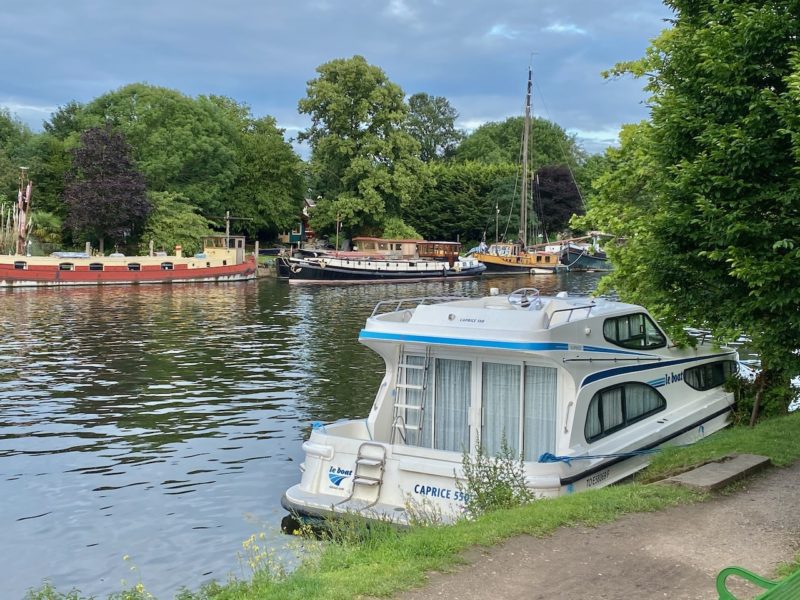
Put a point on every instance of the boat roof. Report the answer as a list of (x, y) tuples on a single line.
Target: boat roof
[(398, 241), (520, 315)]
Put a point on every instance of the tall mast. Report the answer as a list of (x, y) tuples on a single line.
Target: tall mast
[(523, 205)]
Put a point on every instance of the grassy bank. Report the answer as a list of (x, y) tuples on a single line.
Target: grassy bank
[(387, 561)]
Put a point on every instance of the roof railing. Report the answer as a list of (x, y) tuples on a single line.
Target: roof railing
[(548, 319), (384, 306)]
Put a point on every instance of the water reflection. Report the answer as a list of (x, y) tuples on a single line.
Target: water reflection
[(164, 422)]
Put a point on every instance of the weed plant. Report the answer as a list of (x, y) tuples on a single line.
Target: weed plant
[(493, 482)]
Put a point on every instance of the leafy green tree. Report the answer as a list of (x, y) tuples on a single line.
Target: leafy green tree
[(180, 144), (458, 201), (363, 162), (15, 139), (502, 143), (269, 187), (174, 221), (431, 121), (104, 191), (396, 229), (721, 245)]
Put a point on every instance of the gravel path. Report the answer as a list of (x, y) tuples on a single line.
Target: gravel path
[(675, 553)]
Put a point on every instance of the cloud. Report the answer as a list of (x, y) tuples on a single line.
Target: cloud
[(502, 31), (401, 10), (568, 28)]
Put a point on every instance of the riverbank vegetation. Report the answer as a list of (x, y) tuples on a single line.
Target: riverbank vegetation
[(382, 560)]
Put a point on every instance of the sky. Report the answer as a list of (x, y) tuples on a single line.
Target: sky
[(263, 52)]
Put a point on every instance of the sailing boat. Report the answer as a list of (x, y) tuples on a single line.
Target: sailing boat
[(516, 257)]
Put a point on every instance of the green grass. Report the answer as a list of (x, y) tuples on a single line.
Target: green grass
[(388, 560)]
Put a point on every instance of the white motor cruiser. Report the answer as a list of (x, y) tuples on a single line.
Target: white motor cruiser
[(583, 389)]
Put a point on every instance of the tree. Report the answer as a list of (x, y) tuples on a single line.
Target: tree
[(431, 121), (269, 187), (363, 162), (502, 142), (180, 144), (104, 191), (556, 198), (721, 245), (458, 201), (174, 221)]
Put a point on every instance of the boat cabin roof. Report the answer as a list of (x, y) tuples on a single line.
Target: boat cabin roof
[(521, 315)]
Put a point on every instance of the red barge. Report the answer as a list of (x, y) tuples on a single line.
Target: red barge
[(223, 259)]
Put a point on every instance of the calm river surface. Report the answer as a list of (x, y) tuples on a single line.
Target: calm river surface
[(163, 423)]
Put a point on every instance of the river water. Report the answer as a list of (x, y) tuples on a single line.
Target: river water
[(147, 431)]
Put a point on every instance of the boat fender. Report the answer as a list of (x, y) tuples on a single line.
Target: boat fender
[(295, 269), (457, 267)]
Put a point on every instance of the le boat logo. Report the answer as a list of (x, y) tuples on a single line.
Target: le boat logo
[(337, 475), (666, 379)]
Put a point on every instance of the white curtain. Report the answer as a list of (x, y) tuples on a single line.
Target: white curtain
[(451, 405), (593, 428), (540, 412), (640, 400), (612, 408), (500, 412)]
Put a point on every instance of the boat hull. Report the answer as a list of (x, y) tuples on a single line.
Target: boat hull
[(49, 274), (301, 270), (527, 263), (580, 260), (428, 486)]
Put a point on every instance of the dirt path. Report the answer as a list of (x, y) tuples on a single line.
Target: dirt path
[(675, 553)]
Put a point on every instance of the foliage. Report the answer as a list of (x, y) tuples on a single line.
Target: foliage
[(46, 227), (502, 143), (723, 177), (15, 140), (104, 191), (458, 201), (181, 144), (431, 121), (395, 229), (174, 221), (269, 187), (493, 482), (363, 163), (556, 198)]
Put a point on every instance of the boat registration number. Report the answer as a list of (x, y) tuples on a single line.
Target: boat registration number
[(597, 478)]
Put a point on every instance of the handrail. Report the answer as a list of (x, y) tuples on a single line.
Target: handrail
[(549, 319), (402, 302)]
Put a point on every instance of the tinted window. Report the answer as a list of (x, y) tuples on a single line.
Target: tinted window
[(635, 331), (710, 375), (66, 267), (134, 267), (167, 266), (96, 267), (617, 407), (20, 264)]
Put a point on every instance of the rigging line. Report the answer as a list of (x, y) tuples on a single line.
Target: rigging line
[(563, 150)]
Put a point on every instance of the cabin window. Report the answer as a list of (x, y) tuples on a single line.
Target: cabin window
[(637, 331), (167, 266), (20, 264), (617, 407), (710, 375), (66, 267), (446, 400), (95, 266), (518, 404), (134, 267)]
